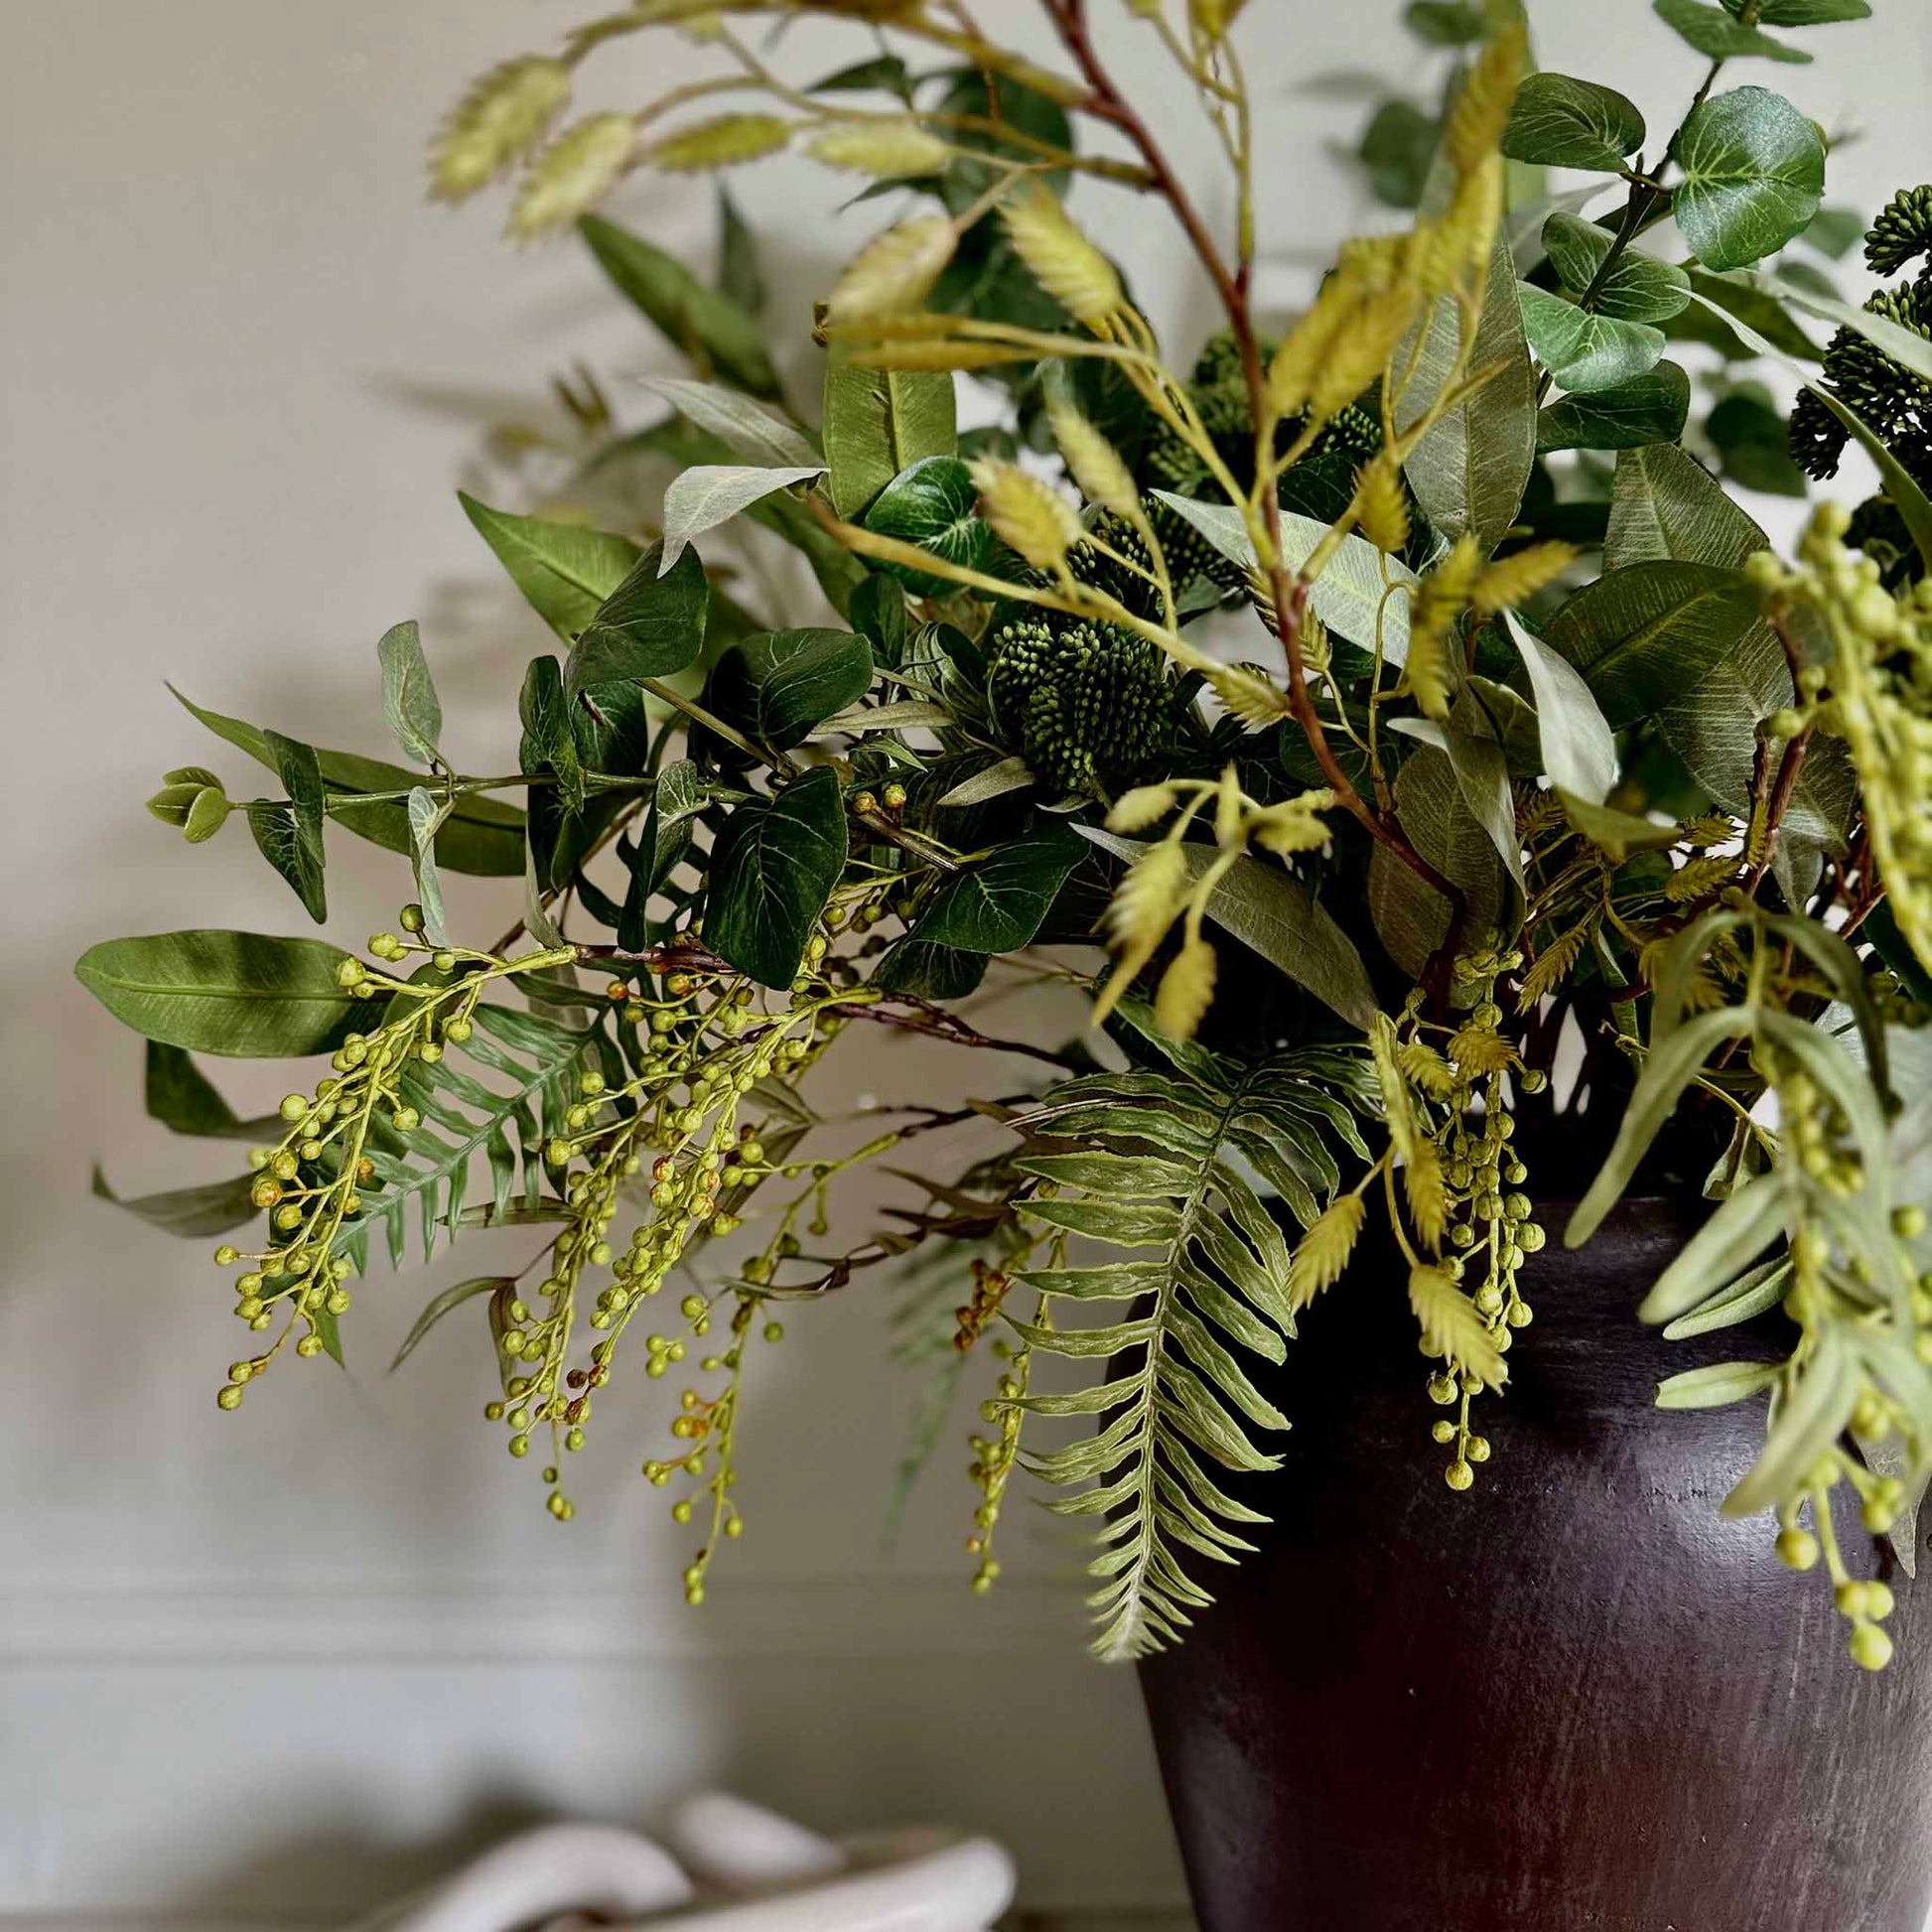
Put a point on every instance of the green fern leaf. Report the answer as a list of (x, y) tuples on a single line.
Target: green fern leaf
[(464, 1118), (1168, 1161)]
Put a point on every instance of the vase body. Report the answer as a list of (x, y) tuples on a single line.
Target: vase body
[(1576, 1696)]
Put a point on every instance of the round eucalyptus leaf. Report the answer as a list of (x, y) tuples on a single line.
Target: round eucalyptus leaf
[(1753, 176), (934, 505), (1585, 351), (1564, 122)]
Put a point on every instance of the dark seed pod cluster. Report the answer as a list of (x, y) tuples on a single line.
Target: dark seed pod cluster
[(1087, 705)]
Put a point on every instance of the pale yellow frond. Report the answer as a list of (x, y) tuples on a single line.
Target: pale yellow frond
[(1145, 805), (1381, 506), (885, 150), (1296, 824), (1027, 512), (726, 141), (573, 174), (1325, 1249), (1148, 898), (1427, 1193), (1453, 1329), (1482, 110), (1061, 259), (1250, 695), (1095, 464), (1187, 991), (497, 123), (1513, 580), (893, 272)]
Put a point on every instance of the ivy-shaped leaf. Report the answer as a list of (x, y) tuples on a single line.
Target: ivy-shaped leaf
[(772, 869), (998, 903), (934, 505)]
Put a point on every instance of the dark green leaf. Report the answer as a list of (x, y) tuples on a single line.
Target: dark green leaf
[(1410, 918), (1570, 123), (1579, 748), (780, 685), (242, 993), (1637, 288), (934, 505), (738, 258), (1482, 776), (709, 327), (1671, 1067), (1744, 1225), (439, 1306), (1753, 176), (1650, 409), (1445, 23), (191, 1212), (1740, 309), (409, 700), (651, 626), (931, 972), (998, 903), (1398, 146), (1811, 1419), (878, 612), (290, 836), (879, 422), (1721, 36), (566, 571), (1642, 636), (1754, 444), (1801, 13), (1668, 505), (548, 743), (1583, 350), (182, 1099), (481, 836), (1271, 911), (426, 814), (884, 74), (772, 871), (676, 799)]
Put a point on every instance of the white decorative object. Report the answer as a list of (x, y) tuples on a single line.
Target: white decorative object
[(726, 1866)]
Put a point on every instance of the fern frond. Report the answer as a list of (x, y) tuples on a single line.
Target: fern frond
[(463, 1117), (1161, 1161)]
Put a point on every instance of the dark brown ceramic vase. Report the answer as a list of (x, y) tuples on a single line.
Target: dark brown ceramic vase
[(1574, 1697)]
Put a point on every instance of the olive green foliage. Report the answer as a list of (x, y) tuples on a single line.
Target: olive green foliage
[(839, 720)]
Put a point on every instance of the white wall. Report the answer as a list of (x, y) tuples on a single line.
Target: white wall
[(279, 1662)]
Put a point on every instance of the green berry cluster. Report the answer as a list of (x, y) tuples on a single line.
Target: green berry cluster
[(309, 1184), (1465, 1177), (1088, 705)]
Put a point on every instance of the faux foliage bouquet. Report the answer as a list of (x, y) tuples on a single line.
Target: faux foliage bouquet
[(1535, 804)]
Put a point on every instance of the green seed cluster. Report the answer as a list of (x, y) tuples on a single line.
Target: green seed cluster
[(1902, 233), (671, 1132), (1187, 554), (1088, 705), (1894, 400)]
